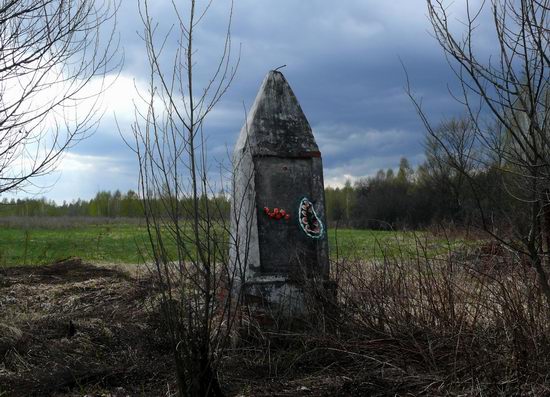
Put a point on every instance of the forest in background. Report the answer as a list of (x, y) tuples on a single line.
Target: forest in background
[(401, 198)]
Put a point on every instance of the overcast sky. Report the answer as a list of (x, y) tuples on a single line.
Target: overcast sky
[(343, 63)]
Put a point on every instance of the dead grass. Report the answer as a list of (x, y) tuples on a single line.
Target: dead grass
[(463, 323), (70, 328)]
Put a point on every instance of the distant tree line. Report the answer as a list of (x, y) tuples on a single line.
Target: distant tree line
[(437, 191), (407, 198), (105, 204)]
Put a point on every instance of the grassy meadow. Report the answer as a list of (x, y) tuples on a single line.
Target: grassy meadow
[(428, 319), (27, 241), (37, 243)]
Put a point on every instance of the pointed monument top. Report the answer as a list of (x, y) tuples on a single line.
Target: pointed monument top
[(276, 125)]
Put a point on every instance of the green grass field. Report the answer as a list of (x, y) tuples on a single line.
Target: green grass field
[(123, 243), (117, 243)]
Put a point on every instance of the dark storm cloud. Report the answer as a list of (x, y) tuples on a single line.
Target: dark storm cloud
[(343, 62)]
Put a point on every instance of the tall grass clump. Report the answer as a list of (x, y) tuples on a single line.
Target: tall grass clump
[(456, 319), (468, 320)]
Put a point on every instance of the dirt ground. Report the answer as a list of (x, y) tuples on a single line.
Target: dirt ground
[(74, 329)]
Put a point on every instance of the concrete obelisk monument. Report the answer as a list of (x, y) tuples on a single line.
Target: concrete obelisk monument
[(278, 212)]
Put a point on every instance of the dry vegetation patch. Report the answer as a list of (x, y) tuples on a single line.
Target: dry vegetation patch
[(74, 329), (472, 323), (71, 328)]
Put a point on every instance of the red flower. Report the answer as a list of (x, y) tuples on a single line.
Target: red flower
[(266, 210), (283, 212), (276, 210), (287, 217)]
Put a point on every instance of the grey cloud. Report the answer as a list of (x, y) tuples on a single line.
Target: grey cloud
[(343, 64)]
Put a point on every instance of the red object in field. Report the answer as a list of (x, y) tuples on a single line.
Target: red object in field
[(276, 210), (287, 217), (283, 212), (266, 210)]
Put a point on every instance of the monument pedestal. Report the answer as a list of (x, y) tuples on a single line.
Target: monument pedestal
[(283, 305)]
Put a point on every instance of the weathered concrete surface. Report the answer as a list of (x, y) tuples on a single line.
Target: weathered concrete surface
[(277, 163), (276, 124)]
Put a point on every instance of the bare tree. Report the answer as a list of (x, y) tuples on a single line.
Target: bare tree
[(451, 148), (50, 50), (188, 233), (505, 94)]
